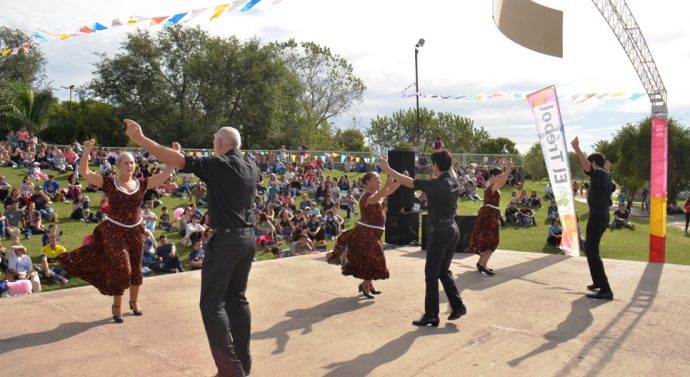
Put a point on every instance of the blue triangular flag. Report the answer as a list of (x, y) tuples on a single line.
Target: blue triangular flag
[(175, 19), (250, 4), (98, 26)]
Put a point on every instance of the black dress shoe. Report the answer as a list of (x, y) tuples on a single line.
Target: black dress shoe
[(374, 291), (427, 319), (592, 287), (457, 312), (601, 295)]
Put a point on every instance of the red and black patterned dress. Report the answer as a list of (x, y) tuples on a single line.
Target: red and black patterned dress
[(485, 232), (112, 262), (359, 250)]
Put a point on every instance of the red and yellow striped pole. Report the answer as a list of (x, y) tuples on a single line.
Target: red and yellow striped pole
[(658, 181)]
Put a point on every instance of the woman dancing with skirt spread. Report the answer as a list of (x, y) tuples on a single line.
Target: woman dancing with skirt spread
[(359, 250), (484, 240), (112, 262)]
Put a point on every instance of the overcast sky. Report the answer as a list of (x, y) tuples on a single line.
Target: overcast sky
[(464, 54)]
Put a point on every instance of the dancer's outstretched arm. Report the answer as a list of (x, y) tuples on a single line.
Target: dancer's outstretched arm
[(403, 179), (160, 178), (169, 156), (91, 177), (503, 178)]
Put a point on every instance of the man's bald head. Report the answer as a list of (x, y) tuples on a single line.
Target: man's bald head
[(226, 139)]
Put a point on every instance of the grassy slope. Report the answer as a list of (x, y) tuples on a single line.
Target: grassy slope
[(620, 244)]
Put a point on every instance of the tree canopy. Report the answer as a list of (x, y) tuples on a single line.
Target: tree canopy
[(458, 133), (630, 154), (26, 68)]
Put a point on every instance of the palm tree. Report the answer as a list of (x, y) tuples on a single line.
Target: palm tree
[(21, 106)]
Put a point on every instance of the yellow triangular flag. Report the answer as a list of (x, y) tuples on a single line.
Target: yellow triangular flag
[(219, 10), (6, 51), (132, 20)]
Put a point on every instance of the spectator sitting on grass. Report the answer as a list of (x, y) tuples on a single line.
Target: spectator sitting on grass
[(5, 188), (193, 231), (284, 225), (150, 218), (73, 186), (32, 221), (523, 199), (21, 263), (548, 191), (13, 218), (534, 200), (50, 267), (198, 194), (512, 215), (52, 231), (165, 222), (301, 247), (332, 224), (621, 218), (43, 205), (471, 191), (148, 260), (265, 231), (168, 259), (196, 256), (80, 208), (527, 217), (513, 197), (52, 188), (315, 229), (554, 233), (552, 211)]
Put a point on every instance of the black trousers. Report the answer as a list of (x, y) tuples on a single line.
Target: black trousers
[(224, 307), (444, 237), (596, 226)]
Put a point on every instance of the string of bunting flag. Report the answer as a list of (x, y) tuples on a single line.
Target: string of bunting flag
[(522, 96), (43, 35), (293, 156)]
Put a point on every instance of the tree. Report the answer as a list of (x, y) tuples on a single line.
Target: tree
[(630, 153), (88, 119), (183, 84), (329, 86), (25, 107), (26, 67), (498, 145), (351, 140), (535, 167), (458, 133)]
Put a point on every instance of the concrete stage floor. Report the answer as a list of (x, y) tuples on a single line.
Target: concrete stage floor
[(531, 319)]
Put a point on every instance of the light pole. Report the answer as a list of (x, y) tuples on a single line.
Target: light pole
[(419, 44), (69, 105)]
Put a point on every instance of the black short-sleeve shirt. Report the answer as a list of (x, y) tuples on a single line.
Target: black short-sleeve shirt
[(442, 193), (600, 189), (231, 181)]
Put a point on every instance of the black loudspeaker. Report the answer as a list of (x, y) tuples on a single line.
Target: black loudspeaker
[(402, 228), (402, 197), (465, 226)]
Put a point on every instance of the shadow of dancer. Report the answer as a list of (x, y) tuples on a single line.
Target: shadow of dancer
[(474, 281), (304, 319), (577, 321), (62, 332), (364, 364)]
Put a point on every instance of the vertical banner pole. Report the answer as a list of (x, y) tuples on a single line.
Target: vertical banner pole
[(658, 191), (547, 116)]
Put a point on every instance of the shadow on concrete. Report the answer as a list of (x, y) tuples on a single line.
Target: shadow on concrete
[(304, 319), (421, 254), (366, 363), (60, 333), (473, 280), (611, 338), (577, 321)]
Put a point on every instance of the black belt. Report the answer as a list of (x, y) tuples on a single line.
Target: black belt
[(444, 221), (233, 230)]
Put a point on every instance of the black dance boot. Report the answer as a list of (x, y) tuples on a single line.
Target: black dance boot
[(427, 319)]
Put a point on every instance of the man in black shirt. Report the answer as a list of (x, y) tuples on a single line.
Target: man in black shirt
[(442, 193), (231, 181), (599, 200)]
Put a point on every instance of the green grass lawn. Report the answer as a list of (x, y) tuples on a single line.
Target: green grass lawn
[(620, 244)]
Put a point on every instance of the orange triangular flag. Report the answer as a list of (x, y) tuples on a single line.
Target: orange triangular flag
[(86, 29), (158, 20)]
